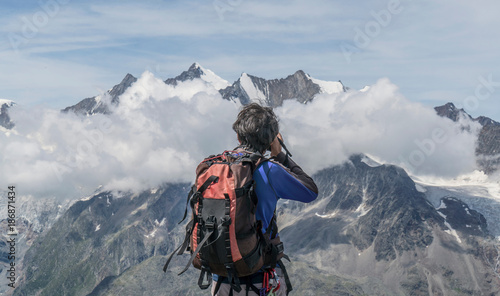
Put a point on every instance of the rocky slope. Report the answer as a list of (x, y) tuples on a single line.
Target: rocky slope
[(370, 232), (371, 223), (33, 218), (100, 238)]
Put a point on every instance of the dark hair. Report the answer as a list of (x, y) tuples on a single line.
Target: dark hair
[(256, 127)]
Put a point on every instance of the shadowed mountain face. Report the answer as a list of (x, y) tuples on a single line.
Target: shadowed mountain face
[(98, 239), (99, 104), (488, 144), (297, 86), (386, 209), (372, 224), (370, 232), (193, 72), (4, 116)]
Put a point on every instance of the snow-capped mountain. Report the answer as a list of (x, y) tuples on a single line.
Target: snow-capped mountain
[(299, 86), (197, 71), (375, 228), (101, 103)]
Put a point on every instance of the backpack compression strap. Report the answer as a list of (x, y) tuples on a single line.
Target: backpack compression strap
[(190, 225)]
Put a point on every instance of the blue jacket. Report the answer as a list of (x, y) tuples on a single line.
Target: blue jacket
[(280, 177)]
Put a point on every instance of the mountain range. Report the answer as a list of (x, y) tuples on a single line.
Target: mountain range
[(374, 230)]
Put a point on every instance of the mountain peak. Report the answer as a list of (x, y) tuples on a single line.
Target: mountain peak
[(4, 115), (195, 65), (94, 104), (194, 71), (9, 103), (197, 71), (450, 111)]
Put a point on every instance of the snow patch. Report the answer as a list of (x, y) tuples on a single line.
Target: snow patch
[(450, 229), (211, 78), (253, 93), (162, 223), (7, 102), (420, 188), (152, 234), (97, 228), (370, 161), (478, 190), (328, 87), (452, 232), (441, 206), (329, 216)]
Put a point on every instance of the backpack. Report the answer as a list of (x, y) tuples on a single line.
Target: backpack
[(223, 236)]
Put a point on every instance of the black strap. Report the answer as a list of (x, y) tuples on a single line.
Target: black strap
[(284, 147), (197, 193), (219, 283), (197, 250), (183, 246), (191, 193), (170, 258), (289, 287), (205, 270), (232, 277), (208, 182)]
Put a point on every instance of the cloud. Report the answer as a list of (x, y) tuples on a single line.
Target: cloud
[(382, 123), (159, 133)]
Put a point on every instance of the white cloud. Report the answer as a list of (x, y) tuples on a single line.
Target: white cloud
[(380, 122), (159, 133)]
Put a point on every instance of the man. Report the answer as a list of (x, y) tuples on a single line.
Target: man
[(257, 129)]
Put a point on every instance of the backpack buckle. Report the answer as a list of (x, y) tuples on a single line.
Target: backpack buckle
[(280, 248), (210, 223), (226, 221)]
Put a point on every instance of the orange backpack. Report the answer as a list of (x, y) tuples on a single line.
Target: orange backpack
[(223, 236)]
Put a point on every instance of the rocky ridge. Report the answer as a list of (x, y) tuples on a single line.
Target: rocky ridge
[(488, 144)]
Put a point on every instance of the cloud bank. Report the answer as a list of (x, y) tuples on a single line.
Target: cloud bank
[(159, 133)]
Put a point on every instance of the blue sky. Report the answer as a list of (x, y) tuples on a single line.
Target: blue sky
[(57, 52)]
